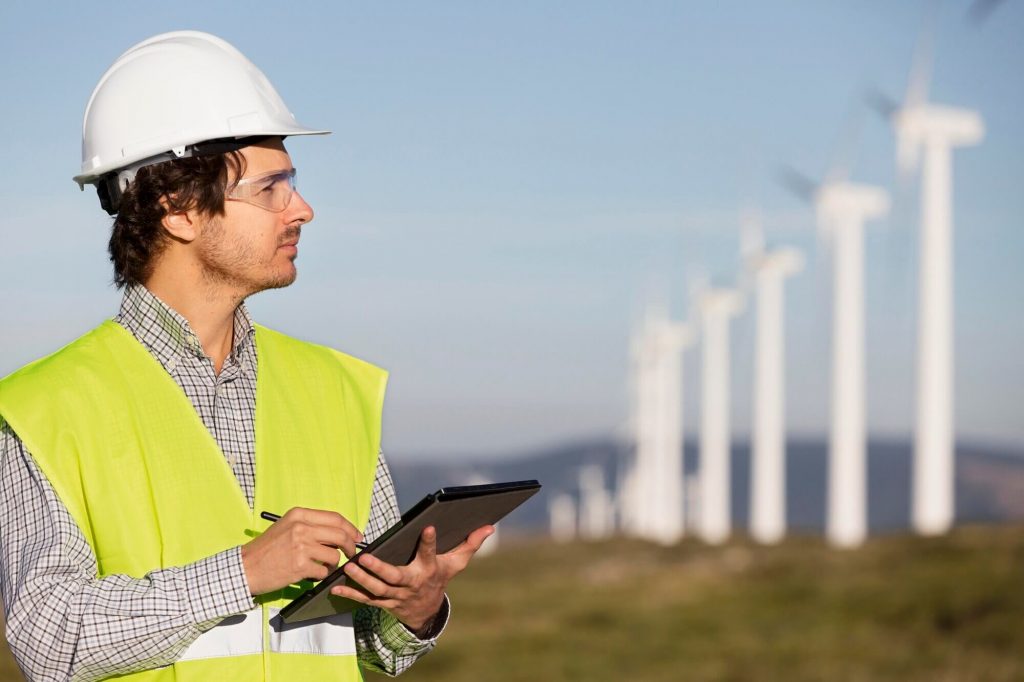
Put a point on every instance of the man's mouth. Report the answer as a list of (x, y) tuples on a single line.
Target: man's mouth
[(291, 240)]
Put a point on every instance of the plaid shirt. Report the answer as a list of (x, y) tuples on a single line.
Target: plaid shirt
[(64, 623)]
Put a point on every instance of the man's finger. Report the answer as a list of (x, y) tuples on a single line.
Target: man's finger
[(362, 597), (322, 517), (454, 562), (315, 570), (472, 543), (427, 549), (389, 573), (369, 582), (335, 537), (351, 593), (328, 556)]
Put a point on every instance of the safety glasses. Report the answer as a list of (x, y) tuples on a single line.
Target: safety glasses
[(270, 191)]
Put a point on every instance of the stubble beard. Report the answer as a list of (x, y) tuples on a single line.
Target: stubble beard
[(226, 261)]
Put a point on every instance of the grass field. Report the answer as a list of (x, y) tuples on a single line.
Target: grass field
[(899, 609)]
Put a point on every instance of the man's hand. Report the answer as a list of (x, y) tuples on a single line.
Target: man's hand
[(412, 593), (303, 545)]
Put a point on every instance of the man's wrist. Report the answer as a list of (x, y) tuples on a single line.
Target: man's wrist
[(217, 586), (434, 625)]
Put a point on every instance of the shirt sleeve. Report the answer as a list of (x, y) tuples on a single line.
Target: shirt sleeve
[(62, 621), (383, 643)]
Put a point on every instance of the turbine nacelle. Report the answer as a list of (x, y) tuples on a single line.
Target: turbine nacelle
[(923, 123), (837, 203), (671, 336), (726, 302), (920, 126), (784, 261), (661, 335)]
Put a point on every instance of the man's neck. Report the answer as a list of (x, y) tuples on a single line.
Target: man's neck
[(210, 314)]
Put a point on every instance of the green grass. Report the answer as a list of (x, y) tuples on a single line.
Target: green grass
[(900, 608)]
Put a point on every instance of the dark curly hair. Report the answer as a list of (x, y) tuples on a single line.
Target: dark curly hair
[(196, 183)]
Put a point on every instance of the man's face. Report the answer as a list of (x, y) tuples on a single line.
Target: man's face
[(251, 248)]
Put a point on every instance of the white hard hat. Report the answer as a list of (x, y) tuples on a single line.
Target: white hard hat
[(171, 92)]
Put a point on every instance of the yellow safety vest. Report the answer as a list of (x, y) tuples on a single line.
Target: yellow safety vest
[(150, 488)]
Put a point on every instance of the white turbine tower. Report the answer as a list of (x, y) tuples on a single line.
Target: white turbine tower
[(768, 452), (562, 515), (925, 135), (716, 306), (842, 209), (596, 513), (652, 493)]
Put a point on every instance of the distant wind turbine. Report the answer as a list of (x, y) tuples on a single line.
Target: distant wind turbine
[(652, 495), (562, 516), (716, 307), (596, 514), (842, 209), (928, 132), (768, 453)]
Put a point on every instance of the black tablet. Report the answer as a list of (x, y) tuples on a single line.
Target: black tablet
[(455, 512)]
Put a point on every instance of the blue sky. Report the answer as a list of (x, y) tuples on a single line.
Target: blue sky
[(507, 181)]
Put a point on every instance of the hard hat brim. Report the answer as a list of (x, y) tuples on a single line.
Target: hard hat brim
[(93, 175)]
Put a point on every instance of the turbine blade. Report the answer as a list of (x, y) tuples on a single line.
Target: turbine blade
[(751, 235), (907, 156), (844, 150), (980, 10), (904, 204), (797, 183), (697, 284), (921, 67), (823, 266), (881, 102)]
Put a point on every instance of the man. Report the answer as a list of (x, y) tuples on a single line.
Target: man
[(136, 460)]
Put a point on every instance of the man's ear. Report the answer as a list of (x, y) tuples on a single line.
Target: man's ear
[(179, 224)]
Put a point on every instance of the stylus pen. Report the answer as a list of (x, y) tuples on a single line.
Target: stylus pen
[(274, 517)]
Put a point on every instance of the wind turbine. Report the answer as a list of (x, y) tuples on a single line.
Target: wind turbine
[(842, 208), (925, 136), (768, 453), (716, 306), (596, 513), (562, 515), (652, 499)]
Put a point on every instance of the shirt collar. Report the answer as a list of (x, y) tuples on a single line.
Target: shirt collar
[(166, 333)]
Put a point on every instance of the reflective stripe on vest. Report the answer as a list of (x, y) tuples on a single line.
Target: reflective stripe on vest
[(149, 487), (243, 634)]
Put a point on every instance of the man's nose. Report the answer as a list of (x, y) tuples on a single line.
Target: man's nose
[(298, 209)]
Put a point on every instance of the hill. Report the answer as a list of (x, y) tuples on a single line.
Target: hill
[(989, 481)]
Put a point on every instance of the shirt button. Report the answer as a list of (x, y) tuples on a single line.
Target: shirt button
[(172, 364)]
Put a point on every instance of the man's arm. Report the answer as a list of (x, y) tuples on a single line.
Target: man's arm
[(383, 644), (62, 622)]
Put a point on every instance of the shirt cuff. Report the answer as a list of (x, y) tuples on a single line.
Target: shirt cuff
[(217, 588), (399, 638)]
